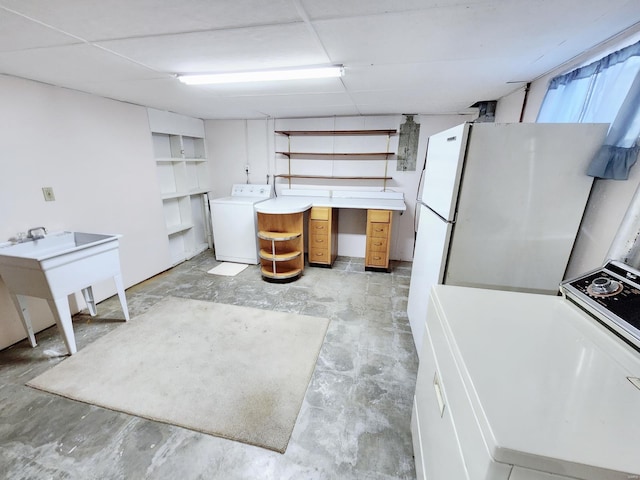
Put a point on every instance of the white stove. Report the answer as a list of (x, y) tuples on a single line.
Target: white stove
[(611, 294)]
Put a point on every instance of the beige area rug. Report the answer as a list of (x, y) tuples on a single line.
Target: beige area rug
[(234, 372), (228, 269)]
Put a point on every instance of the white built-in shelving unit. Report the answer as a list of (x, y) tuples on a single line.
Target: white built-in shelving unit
[(182, 171)]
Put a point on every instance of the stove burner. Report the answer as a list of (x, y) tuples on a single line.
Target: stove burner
[(604, 287)]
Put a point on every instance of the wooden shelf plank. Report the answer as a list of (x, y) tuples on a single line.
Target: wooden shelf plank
[(279, 257), (278, 236), (340, 155), (336, 177), (267, 272), (302, 133)]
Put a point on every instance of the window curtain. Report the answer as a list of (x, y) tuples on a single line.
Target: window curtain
[(606, 91)]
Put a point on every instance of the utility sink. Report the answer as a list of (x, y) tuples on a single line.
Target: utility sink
[(56, 266)]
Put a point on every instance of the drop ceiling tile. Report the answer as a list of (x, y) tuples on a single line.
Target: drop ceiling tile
[(70, 65), (358, 8), (110, 19), (169, 94), (19, 33), (448, 77), (225, 50), (516, 29)]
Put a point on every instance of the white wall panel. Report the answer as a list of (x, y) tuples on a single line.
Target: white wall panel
[(97, 156)]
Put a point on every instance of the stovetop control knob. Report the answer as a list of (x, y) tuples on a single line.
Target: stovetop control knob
[(603, 285)]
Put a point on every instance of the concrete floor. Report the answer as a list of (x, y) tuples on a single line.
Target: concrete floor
[(353, 424)]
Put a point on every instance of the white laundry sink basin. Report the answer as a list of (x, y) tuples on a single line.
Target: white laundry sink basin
[(56, 266), (52, 245)]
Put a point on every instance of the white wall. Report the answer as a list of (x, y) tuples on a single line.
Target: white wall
[(97, 156), (609, 198), (232, 144)]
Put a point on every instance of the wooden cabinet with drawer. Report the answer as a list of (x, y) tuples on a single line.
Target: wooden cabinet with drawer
[(378, 239), (323, 236)]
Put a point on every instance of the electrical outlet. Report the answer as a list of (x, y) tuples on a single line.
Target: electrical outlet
[(48, 194)]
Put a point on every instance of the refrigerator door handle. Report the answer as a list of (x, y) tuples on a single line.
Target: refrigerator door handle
[(436, 213)]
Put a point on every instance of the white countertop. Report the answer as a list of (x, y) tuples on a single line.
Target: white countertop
[(283, 205), (548, 383), (296, 201)]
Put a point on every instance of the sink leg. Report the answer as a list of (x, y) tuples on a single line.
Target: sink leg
[(123, 299), (87, 293), (21, 306), (62, 313)]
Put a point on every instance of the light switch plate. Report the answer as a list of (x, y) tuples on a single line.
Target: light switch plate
[(48, 194)]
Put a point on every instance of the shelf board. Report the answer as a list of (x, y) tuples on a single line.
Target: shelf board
[(179, 160), (168, 160), (172, 195), (332, 177), (340, 155), (278, 236), (302, 133), (179, 228), (279, 257), (281, 275)]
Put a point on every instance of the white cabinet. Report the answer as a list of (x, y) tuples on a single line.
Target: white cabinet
[(182, 172)]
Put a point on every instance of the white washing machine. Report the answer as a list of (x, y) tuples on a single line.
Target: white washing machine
[(233, 221)]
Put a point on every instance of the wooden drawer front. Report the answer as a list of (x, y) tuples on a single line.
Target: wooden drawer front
[(319, 241), (378, 245), (320, 227), (320, 213), (377, 259), (382, 216), (318, 255), (380, 230)]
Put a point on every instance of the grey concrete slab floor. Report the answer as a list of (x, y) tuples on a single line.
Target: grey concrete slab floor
[(354, 422)]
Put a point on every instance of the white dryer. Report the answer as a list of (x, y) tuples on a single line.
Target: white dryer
[(233, 221)]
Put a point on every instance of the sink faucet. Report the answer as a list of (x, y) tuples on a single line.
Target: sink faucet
[(36, 233)]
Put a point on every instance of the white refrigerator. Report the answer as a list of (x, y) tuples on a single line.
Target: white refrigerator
[(500, 208)]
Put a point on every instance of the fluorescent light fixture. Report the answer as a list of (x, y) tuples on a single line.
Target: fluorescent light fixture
[(263, 75)]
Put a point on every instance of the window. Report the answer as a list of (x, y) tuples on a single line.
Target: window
[(605, 91)]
